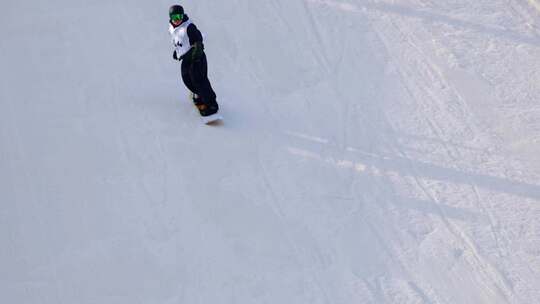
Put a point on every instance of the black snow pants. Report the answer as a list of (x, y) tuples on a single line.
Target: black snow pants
[(195, 77)]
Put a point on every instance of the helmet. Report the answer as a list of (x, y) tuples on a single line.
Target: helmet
[(176, 10)]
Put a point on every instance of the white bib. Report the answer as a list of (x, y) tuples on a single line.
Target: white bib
[(180, 38)]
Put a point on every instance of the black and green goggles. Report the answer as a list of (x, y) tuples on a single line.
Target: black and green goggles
[(177, 17)]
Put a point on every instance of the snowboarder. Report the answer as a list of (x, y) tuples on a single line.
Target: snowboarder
[(189, 48)]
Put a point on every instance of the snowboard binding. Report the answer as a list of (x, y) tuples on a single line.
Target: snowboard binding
[(204, 108)]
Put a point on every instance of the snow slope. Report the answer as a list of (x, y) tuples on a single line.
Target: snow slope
[(372, 152)]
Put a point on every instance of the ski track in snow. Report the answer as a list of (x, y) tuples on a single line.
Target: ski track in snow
[(372, 152)]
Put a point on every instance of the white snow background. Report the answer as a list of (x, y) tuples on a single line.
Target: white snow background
[(373, 151)]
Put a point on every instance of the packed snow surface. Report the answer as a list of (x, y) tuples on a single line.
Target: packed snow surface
[(372, 151)]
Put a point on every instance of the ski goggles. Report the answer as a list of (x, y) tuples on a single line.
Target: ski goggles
[(177, 17)]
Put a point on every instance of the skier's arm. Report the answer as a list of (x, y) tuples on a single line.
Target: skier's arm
[(196, 42), (194, 34)]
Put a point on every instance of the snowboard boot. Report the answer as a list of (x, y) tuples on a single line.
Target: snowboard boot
[(204, 108)]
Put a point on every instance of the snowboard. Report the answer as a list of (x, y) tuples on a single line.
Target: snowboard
[(212, 119)]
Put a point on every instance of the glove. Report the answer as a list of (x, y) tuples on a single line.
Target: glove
[(175, 56), (197, 51)]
